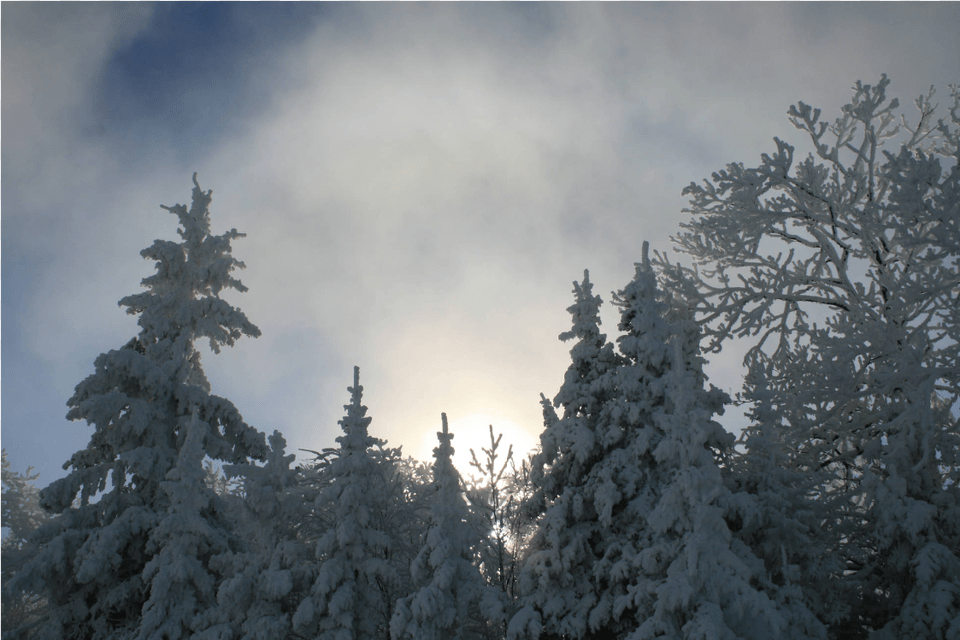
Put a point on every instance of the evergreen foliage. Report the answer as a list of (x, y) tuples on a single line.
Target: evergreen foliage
[(633, 543), (837, 516), (842, 272), (353, 595), (452, 601), (263, 579), (130, 553)]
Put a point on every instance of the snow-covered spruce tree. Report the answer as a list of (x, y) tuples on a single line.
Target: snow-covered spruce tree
[(689, 577), (780, 513), (569, 449), (452, 601), (555, 585), (129, 555), (263, 580), (408, 518), (636, 545), (353, 595), (843, 272)]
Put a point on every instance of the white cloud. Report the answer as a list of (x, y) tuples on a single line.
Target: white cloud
[(424, 182)]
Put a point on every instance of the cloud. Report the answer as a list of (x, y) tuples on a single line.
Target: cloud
[(432, 186), (52, 55), (420, 183)]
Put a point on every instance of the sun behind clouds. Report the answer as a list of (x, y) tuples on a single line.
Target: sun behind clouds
[(472, 431)]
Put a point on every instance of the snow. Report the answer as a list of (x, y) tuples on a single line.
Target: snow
[(838, 513), (451, 595)]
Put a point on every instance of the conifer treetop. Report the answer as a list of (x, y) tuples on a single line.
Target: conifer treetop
[(445, 450), (355, 436), (451, 597), (183, 296), (351, 594), (131, 553)]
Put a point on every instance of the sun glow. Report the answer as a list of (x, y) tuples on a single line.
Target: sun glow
[(472, 431)]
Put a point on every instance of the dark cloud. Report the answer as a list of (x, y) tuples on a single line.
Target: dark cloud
[(195, 73)]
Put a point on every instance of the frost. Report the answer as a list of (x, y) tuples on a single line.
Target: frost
[(130, 553), (841, 271), (355, 587), (633, 542)]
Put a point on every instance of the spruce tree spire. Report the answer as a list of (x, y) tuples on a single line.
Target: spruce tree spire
[(582, 394), (351, 596), (445, 437), (452, 599), (354, 424)]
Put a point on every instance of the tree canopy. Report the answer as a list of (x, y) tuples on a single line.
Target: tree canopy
[(835, 515)]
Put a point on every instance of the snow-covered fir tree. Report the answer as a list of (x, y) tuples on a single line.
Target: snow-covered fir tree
[(129, 555), (569, 449), (554, 581), (452, 601), (264, 578), (681, 571), (842, 270), (837, 517), (353, 595), (634, 544), (781, 514)]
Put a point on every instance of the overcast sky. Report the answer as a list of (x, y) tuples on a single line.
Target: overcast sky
[(420, 184)]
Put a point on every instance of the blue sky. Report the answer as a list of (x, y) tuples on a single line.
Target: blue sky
[(420, 184)]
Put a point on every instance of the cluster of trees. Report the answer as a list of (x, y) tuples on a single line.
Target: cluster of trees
[(835, 515)]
